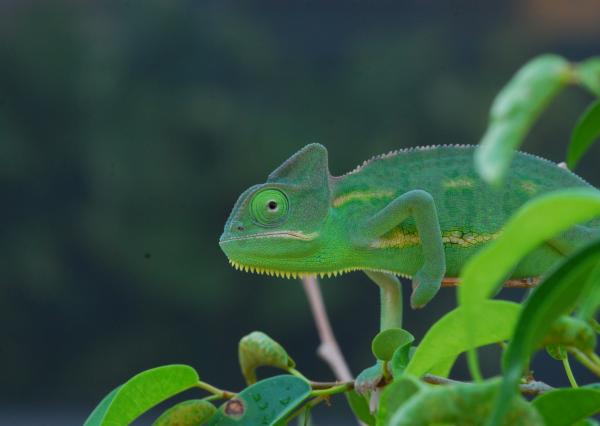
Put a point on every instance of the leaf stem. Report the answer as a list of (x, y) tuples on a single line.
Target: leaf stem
[(386, 371), (569, 372), (594, 357), (332, 390), (308, 406), (327, 385), (211, 398), (473, 363), (390, 291), (298, 374), (219, 393), (583, 359)]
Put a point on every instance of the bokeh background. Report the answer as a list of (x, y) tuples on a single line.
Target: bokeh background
[(128, 129)]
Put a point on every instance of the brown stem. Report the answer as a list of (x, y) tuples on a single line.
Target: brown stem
[(327, 385), (518, 283), (329, 349), (532, 387)]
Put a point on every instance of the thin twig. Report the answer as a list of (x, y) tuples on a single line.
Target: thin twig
[(329, 349), (516, 283), (327, 385), (532, 387)]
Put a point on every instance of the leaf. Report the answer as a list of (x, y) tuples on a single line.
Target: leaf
[(369, 378), (448, 338), (401, 358), (394, 395), (555, 296), (140, 393), (386, 342), (557, 352), (571, 332), (514, 111), (536, 222), (590, 301), (98, 414), (258, 350), (567, 406), (267, 402), (588, 72), (187, 413), (443, 367), (586, 132), (460, 404), (360, 407)]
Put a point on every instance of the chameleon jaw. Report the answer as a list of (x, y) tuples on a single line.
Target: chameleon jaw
[(285, 274), (301, 274)]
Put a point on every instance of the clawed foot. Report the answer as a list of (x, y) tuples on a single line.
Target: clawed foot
[(424, 288)]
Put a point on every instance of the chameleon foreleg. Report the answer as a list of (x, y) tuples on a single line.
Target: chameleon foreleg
[(418, 204), (391, 299)]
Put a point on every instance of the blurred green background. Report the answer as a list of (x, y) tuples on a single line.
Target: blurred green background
[(128, 129)]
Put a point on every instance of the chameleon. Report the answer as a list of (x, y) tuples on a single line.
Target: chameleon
[(419, 213)]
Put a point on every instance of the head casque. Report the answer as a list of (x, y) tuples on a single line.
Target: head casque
[(275, 227)]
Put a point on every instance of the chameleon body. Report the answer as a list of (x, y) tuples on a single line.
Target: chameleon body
[(417, 212)]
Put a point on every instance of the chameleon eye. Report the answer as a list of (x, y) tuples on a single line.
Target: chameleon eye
[(269, 207)]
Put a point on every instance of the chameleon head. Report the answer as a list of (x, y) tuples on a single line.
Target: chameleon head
[(275, 227)]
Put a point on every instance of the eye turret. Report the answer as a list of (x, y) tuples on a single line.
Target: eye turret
[(269, 207)]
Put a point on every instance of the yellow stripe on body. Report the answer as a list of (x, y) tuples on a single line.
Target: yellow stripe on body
[(459, 182), (400, 238), (361, 196)]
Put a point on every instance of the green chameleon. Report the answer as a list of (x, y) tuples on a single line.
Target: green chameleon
[(417, 212)]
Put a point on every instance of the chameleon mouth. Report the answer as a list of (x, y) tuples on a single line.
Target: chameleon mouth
[(301, 274), (292, 235)]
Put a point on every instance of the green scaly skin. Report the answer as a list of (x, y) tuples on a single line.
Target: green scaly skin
[(419, 212)]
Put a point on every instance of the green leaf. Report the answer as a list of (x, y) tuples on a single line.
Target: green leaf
[(395, 395), (360, 407), (557, 352), (536, 222), (267, 402), (98, 414), (571, 332), (567, 406), (590, 301), (401, 358), (514, 111), (443, 367), (388, 341), (586, 132), (258, 350), (187, 413), (460, 404), (588, 72), (142, 392), (448, 338), (555, 296), (369, 378)]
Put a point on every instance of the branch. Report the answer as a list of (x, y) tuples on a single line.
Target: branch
[(329, 349), (532, 387), (516, 283)]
